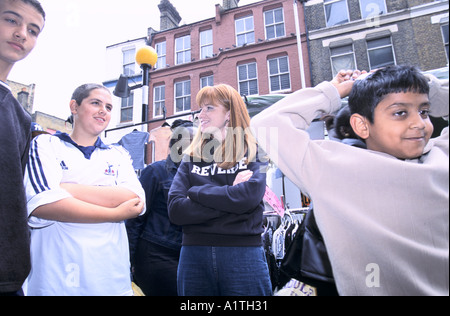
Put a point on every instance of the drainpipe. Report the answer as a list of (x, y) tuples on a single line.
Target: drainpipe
[(299, 45)]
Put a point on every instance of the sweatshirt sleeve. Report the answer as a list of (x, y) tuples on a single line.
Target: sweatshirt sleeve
[(182, 210), (281, 129), (237, 199)]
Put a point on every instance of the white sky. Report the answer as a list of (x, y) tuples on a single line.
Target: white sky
[(72, 47)]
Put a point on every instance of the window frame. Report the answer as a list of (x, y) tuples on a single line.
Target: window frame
[(159, 103), (279, 74), (274, 24), (161, 50), (127, 105), (328, 3), (248, 80), (185, 51), (129, 61), (209, 45), (391, 45), (184, 97), (246, 31)]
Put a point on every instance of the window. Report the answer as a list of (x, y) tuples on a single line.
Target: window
[(342, 57), (280, 78), (444, 28), (207, 81), (161, 51), (159, 101), (129, 58), (381, 52), (183, 50), (336, 12), (245, 31), (182, 96), (372, 8), (248, 79), (206, 44), (126, 110), (274, 21)]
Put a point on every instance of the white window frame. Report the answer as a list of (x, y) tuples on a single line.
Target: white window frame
[(444, 40), (185, 50), (350, 54), (248, 80), (247, 33), (127, 104), (161, 50), (206, 81), (159, 103), (279, 74), (366, 3), (208, 45), (129, 61), (274, 24), (185, 96)]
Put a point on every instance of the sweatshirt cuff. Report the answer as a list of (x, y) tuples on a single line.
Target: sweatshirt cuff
[(330, 91), (194, 193)]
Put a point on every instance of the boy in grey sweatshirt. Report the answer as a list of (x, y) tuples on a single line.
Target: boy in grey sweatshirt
[(383, 212)]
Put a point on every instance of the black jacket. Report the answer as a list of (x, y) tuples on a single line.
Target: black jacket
[(212, 211), (15, 137)]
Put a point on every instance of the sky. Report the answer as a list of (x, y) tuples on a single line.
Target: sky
[(71, 49)]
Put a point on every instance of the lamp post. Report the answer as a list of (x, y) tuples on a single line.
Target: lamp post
[(146, 57)]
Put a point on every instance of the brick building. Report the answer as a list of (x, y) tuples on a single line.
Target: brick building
[(368, 34), (253, 48)]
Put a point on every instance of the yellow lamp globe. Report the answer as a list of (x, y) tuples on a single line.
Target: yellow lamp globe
[(147, 56)]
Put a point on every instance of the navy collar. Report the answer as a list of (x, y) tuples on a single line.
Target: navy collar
[(3, 84), (87, 151)]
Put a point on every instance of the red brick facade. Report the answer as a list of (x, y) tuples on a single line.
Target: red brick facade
[(227, 55)]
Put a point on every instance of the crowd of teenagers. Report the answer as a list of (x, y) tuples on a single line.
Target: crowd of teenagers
[(76, 220)]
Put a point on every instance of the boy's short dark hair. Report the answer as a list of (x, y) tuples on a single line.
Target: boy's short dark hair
[(369, 92), (37, 5)]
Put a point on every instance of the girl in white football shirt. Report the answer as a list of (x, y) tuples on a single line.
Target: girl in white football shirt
[(80, 191)]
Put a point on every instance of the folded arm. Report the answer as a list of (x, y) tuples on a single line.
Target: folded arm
[(182, 210), (72, 210), (238, 199), (107, 196)]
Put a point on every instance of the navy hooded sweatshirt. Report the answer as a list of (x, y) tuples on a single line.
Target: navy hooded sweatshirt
[(212, 211), (15, 137)]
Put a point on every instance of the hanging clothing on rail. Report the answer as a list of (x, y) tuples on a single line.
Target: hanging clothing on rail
[(278, 235)]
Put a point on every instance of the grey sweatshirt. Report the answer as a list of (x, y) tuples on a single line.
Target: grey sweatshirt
[(385, 221)]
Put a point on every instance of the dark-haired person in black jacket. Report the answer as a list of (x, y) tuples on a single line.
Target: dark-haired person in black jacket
[(21, 22)]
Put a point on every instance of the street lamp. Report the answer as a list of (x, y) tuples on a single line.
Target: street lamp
[(146, 57)]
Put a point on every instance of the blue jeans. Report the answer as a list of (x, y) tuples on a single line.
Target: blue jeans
[(223, 271)]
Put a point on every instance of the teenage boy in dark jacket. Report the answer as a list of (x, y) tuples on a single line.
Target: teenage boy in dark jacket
[(21, 22)]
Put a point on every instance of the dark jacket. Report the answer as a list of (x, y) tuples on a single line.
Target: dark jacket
[(212, 211), (15, 138), (154, 226)]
